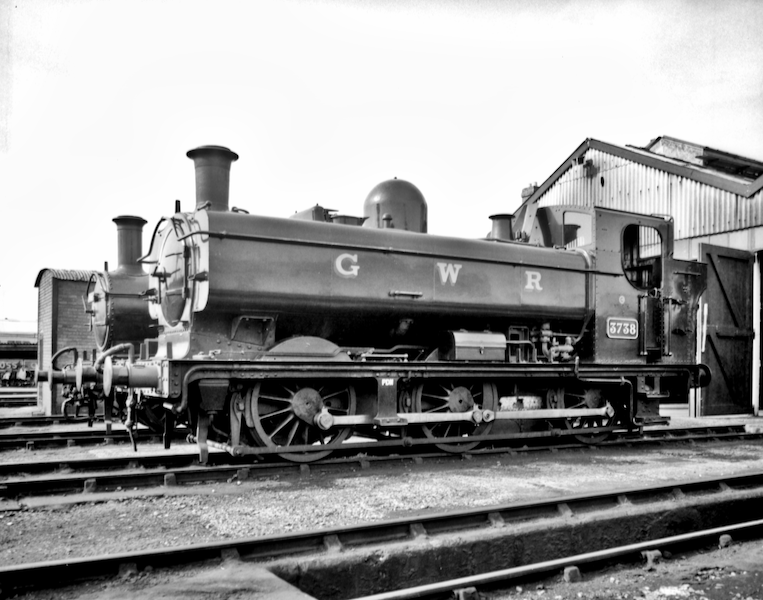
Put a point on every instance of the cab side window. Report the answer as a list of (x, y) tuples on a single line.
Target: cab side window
[(642, 256)]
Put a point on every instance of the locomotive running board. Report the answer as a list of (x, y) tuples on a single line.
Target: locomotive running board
[(613, 373)]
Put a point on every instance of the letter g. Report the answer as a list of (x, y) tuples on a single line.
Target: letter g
[(346, 271)]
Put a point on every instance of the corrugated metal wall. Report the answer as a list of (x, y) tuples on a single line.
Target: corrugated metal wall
[(614, 182)]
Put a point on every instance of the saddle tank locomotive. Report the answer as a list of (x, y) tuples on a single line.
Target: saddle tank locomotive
[(287, 336)]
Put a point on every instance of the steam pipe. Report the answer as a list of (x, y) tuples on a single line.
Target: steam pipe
[(55, 376), (61, 352), (116, 350)]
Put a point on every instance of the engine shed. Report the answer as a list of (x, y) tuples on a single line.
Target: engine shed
[(716, 201)]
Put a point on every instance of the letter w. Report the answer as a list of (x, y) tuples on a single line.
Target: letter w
[(448, 272)]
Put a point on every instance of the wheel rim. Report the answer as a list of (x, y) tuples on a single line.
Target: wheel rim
[(279, 415), (591, 398), (449, 397)]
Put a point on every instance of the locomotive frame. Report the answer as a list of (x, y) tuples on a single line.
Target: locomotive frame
[(396, 381)]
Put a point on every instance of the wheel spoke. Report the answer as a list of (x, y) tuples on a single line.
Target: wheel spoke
[(591, 398), (283, 424), (275, 398), (443, 408), (291, 392), (429, 399), (435, 401), (276, 413), (332, 395), (282, 412), (292, 433)]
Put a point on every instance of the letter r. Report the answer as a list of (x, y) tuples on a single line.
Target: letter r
[(533, 281)]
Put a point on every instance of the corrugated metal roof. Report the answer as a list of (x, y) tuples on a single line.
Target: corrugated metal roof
[(730, 183), (729, 178), (718, 160), (65, 275), (702, 202)]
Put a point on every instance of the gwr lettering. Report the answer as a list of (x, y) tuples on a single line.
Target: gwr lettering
[(533, 281), (347, 271), (448, 272)]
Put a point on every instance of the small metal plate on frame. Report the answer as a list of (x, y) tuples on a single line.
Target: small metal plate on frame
[(621, 328)]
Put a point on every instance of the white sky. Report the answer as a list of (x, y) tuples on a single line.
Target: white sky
[(469, 100)]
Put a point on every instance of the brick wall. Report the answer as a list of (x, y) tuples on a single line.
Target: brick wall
[(73, 327), (44, 336), (62, 322)]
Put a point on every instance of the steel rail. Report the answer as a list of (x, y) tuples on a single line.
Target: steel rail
[(59, 437), (35, 439), (97, 465), (31, 441), (93, 474), (695, 538), (174, 460), (14, 394), (66, 571), (45, 421), (498, 441), (18, 401)]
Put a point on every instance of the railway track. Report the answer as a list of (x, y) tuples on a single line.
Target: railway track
[(18, 391), (743, 492), (626, 553), (72, 476), (32, 440), (12, 398), (56, 439), (47, 421)]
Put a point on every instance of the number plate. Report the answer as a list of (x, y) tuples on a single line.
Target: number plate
[(622, 329)]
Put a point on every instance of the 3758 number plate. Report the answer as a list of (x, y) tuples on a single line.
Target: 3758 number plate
[(622, 329)]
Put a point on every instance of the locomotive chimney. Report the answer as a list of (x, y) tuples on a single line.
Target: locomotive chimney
[(212, 165), (501, 227), (129, 243)]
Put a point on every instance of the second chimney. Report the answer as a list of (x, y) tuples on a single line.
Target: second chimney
[(129, 243)]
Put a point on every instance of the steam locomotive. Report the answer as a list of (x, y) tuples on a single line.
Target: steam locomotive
[(119, 320), (288, 336)]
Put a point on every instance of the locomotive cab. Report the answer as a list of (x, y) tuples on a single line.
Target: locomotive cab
[(562, 227), (642, 256)]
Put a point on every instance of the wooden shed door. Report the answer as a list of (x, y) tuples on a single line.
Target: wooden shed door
[(729, 335)]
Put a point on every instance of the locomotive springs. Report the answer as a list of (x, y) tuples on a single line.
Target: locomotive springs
[(289, 336)]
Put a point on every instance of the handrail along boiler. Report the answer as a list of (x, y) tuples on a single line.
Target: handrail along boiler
[(289, 335)]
